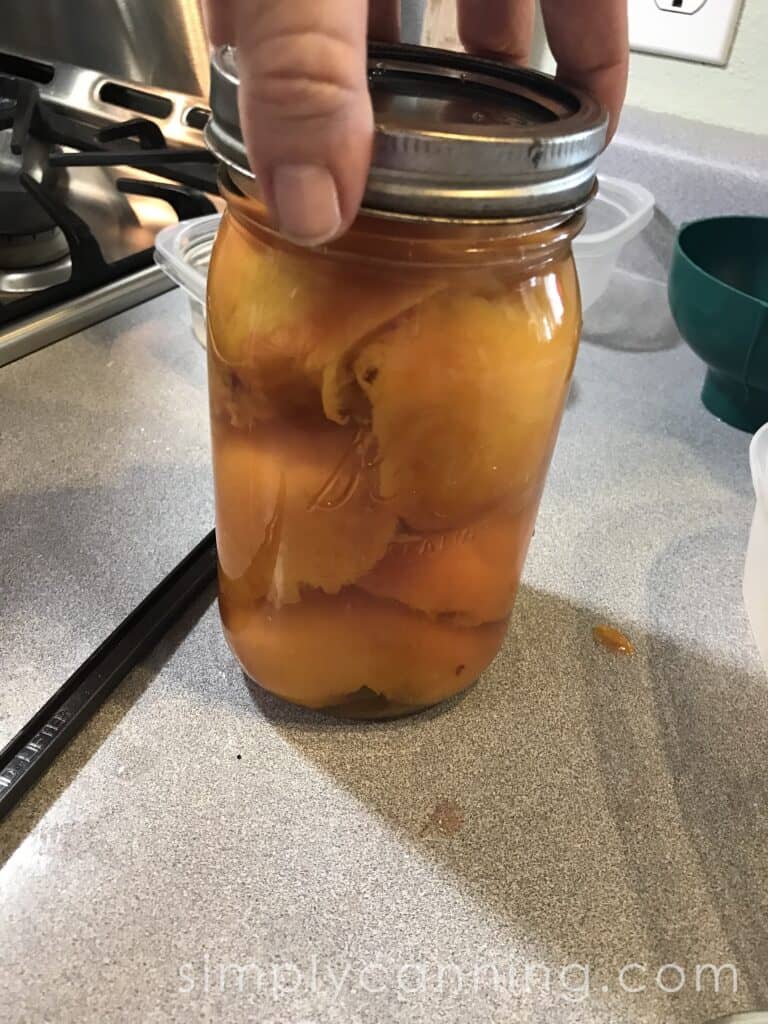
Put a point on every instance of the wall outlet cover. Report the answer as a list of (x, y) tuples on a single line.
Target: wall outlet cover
[(698, 30)]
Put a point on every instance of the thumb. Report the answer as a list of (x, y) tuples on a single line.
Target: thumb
[(305, 110)]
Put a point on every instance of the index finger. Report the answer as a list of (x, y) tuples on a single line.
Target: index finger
[(219, 17), (589, 40)]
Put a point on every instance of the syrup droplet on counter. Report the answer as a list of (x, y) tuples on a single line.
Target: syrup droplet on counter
[(446, 819), (613, 639)]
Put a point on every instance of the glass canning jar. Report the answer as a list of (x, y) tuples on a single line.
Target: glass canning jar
[(384, 408)]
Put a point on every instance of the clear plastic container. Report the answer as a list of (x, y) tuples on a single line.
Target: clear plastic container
[(184, 253), (618, 214), (756, 569)]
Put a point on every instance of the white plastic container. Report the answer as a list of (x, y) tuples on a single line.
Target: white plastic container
[(618, 213), (756, 569), (184, 252)]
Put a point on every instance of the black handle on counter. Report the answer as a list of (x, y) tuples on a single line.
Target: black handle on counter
[(48, 732)]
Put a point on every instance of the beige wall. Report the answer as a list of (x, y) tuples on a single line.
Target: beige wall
[(440, 24), (735, 96)]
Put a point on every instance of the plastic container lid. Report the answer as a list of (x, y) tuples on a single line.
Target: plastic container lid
[(456, 136)]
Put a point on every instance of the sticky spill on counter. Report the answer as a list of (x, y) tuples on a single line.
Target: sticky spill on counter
[(446, 819), (613, 639)]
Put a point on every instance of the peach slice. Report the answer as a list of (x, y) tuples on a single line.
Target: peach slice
[(471, 574), (466, 393), (294, 507), (324, 649), (283, 319)]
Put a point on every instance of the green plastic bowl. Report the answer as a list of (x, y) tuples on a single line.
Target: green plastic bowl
[(718, 293)]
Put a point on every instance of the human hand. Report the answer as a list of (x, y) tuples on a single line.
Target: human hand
[(304, 102)]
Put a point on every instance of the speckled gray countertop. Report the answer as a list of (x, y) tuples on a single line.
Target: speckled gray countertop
[(105, 486), (204, 853)]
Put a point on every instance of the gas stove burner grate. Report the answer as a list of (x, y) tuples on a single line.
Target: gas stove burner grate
[(48, 252), (28, 235), (87, 266)]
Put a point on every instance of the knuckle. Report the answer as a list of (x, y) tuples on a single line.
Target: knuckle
[(498, 44), (304, 74)]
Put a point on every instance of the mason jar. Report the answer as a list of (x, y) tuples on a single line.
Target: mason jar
[(384, 408)]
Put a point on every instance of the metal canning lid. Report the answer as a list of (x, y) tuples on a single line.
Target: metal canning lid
[(456, 136)]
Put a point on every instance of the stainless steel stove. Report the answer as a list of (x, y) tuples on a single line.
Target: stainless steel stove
[(92, 166)]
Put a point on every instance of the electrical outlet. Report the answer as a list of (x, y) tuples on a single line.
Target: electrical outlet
[(681, 6), (698, 30)]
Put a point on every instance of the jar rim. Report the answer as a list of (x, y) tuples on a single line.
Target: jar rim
[(459, 242), (247, 185)]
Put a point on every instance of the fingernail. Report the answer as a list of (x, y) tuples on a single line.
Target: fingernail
[(307, 203)]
